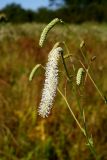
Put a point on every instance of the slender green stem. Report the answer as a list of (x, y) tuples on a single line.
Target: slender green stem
[(68, 53), (66, 47), (65, 66), (78, 102), (83, 55), (93, 81), (90, 144), (91, 147), (86, 73), (63, 59), (71, 111)]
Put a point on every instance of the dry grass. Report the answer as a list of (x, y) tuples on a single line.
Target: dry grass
[(25, 137)]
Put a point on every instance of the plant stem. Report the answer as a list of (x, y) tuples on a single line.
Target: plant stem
[(65, 66), (90, 145), (71, 111), (93, 81)]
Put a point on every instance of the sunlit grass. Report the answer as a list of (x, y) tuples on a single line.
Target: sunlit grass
[(26, 136)]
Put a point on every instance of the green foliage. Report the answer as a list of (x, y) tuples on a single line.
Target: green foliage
[(76, 11), (16, 14)]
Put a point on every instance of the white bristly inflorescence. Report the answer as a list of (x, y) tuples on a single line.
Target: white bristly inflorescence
[(51, 82)]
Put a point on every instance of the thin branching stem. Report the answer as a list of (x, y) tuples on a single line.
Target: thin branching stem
[(63, 61), (90, 144), (71, 111), (92, 81)]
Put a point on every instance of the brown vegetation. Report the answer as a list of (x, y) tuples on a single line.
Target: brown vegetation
[(25, 136)]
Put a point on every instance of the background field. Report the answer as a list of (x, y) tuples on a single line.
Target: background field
[(25, 136)]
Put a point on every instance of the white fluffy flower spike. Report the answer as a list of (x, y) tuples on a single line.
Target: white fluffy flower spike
[(51, 81)]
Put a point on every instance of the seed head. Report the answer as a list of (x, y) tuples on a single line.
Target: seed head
[(51, 82), (79, 76), (47, 29)]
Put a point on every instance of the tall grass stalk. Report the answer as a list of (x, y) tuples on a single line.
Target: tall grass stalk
[(75, 88)]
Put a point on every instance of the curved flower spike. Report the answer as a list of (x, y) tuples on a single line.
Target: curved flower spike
[(79, 76), (47, 29)]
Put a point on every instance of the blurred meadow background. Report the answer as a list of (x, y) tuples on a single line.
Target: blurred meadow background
[(23, 134)]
